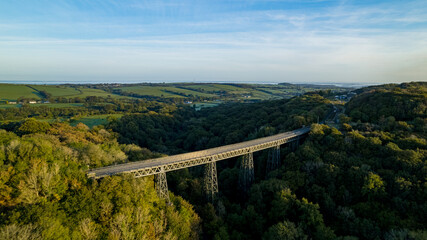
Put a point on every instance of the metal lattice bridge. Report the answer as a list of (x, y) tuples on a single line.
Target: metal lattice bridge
[(209, 157)]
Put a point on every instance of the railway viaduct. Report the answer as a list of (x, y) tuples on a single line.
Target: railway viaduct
[(160, 166)]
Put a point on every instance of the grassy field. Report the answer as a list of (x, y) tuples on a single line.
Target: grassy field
[(11, 92), (83, 92), (58, 105), (281, 92), (187, 92), (86, 92), (3, 106), (58, 91), (218, 88), (52, 105), (155, 91), (273, 90), (195, 90), (252, 91), (239, 92), (201, 105)]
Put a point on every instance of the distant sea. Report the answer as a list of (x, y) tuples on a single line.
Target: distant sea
[(41, 82)]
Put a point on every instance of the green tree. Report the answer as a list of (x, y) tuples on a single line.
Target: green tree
[(285, 230), (31, 125)]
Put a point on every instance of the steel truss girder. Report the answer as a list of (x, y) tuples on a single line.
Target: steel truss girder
[(246, 174), (211, 181), (203, 160), (273, 160), (159, 167), (162, 186)]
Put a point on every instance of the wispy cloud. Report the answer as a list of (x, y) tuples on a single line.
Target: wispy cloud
[(168, 40)]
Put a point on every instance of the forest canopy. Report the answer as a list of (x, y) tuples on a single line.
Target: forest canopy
[(361, 178), (404, 102), (45, 194)]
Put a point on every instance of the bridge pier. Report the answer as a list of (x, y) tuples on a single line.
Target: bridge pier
[(211, 181), (162, 186), (273, 161), (246, 174), (295, 144)]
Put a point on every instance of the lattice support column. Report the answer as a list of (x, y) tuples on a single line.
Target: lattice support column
[(211, 181), (295, 144), (273, 161), (246, 174), (162, 186)]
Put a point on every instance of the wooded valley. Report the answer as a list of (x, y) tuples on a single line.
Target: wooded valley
[(363, 177)]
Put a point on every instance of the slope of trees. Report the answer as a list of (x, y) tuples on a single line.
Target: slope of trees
[(187, 130), (44, 193), (366, 186), (403, 102), (351, 185)]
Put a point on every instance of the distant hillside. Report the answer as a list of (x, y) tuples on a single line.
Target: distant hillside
[(180, 92), (403, 102)]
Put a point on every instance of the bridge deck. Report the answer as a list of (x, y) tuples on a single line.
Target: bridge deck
[(170, 163)]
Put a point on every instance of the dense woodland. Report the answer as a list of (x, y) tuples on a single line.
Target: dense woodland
[(365, 180), (404, 102), (90, 106), (188, 130), (45, 194)]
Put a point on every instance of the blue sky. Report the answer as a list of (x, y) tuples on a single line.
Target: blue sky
[(223, 41)]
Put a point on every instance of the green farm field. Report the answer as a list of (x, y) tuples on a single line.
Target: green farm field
[(240, 92), (218, 88), (160, 91), (150, 91), (58, 105), (164, 91), (233, 89), (51, 105), (86, 92), (281, 92), (58, 91), (11, 92), (5, 106), (74, 91), (200, 105), (187, 92), (81, 92)]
